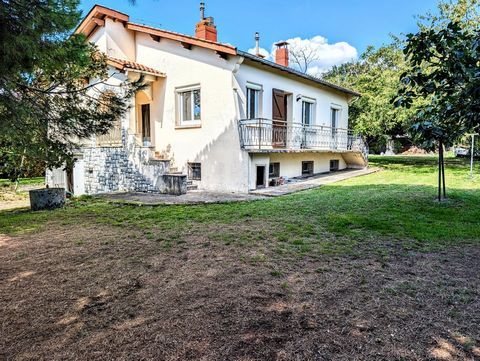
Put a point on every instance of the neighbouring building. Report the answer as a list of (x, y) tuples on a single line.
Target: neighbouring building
[(211, 116)]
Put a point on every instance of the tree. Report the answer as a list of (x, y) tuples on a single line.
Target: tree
[(376, 76), (445, 70), (464, 12), (302, 56), (53, 85)]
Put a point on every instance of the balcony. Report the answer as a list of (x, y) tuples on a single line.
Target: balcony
[(113, 138), (266, 135)]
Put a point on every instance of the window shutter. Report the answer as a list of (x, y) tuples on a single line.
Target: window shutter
[(278, 106)]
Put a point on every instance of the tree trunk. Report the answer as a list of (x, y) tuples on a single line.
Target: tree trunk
[(441, 173)]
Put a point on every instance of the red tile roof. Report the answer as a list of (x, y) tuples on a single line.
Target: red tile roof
[(96, 18), (223, 48), (127, 64)]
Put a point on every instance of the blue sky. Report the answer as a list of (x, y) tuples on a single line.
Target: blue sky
[(348, 23)]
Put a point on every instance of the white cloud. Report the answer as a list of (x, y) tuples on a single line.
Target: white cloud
[(326, 55)]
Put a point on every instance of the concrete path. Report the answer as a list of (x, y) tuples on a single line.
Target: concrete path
[(192, 197), (313, 182)]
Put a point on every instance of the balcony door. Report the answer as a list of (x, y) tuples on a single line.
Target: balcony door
[(335, 112), (279, 118)]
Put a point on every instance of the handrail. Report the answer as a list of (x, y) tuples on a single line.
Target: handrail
[(265, 134), (287, 123)]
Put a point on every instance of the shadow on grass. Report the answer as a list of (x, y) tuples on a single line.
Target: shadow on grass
[(352, 214)]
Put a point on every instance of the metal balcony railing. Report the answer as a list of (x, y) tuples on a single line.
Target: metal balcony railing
[(265, 134), (113, 138)]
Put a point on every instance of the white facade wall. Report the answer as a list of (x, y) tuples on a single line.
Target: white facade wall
[(215, 144), (324, 99), (291, 164)]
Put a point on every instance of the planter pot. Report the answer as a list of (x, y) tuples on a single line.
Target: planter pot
[(47, 198)]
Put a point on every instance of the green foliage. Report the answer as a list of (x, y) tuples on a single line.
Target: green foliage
[(376, 76), (46, 101), (464, 12), (445, 68)]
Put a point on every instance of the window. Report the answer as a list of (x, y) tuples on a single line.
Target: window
[(307, 168), (195, 171), (189, 106), (334, 164), (274, 170), (307, 113), (253, 100), (335, 114)]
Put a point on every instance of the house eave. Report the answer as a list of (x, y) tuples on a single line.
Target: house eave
[(96, 18), (269, 65)]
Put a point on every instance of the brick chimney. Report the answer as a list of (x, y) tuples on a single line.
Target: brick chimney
[(281, 54), (205, 28)]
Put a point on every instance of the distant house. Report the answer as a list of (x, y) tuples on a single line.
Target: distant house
[(212, 116)]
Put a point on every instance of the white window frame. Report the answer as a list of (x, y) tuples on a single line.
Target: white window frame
[(258, 88), (338, 108), (179, 96), (313, 110)]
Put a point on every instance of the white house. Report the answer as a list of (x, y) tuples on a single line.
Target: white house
[(216, 117)]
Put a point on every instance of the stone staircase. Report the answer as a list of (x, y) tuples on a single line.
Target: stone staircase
[(154, 167), (174, 171)]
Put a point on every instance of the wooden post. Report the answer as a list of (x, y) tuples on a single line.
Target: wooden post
[(443, 172), (439, 172)]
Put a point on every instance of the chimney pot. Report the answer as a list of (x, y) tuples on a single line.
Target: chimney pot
[(205, 28), (202, 11), (281, 54)]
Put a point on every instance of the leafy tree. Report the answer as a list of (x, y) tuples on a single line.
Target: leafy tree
[(444, 63), (53, 85), (464, 12), (376, 76)]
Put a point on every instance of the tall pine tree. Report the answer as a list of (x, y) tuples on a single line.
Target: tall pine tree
[(46, 101)]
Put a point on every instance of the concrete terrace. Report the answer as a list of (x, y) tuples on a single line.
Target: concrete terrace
[(207, 197), (313, 182)]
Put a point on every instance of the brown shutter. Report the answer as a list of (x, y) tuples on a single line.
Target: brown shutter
[(278, 106)]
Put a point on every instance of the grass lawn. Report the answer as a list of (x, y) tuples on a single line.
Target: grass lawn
[(11, 199), (368, 268)]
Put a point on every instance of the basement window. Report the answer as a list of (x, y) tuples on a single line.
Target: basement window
[(307, 168), (274, 170), (195, 171), (334, 164)]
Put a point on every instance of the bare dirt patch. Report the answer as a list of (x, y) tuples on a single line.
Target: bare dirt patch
[(101, 292), (10, 200)]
